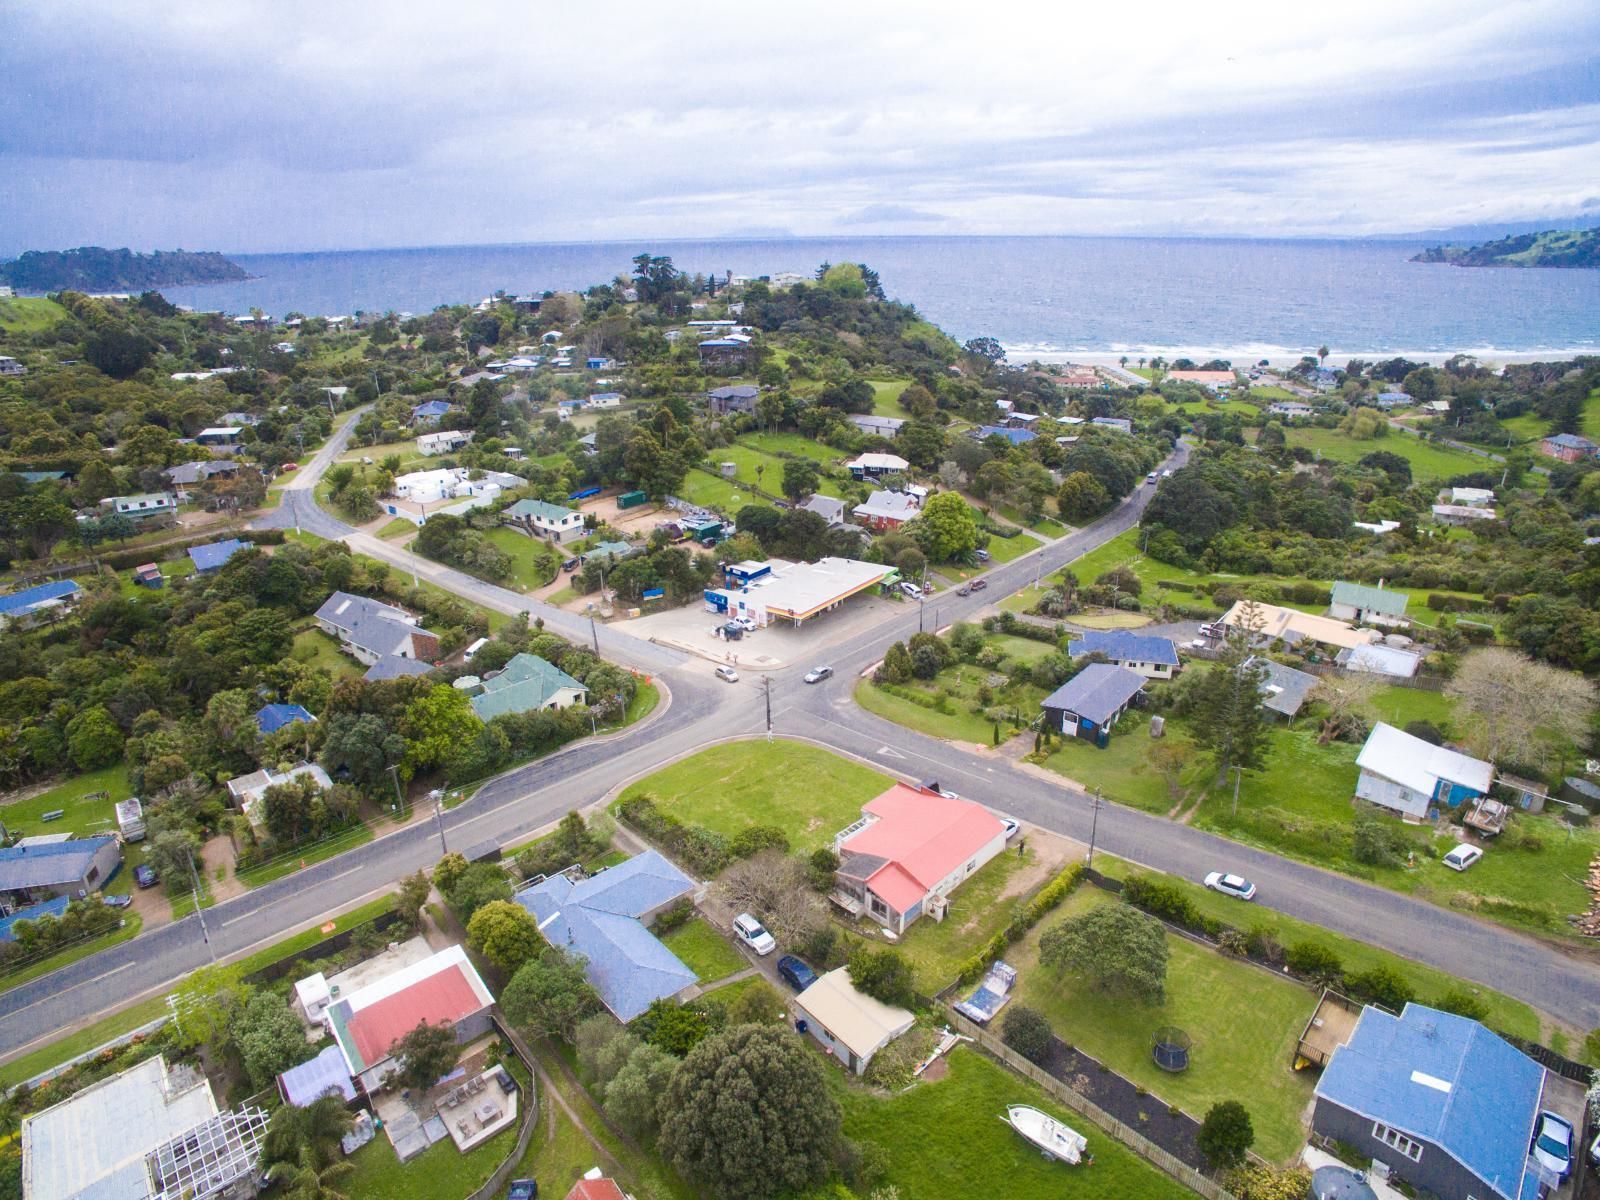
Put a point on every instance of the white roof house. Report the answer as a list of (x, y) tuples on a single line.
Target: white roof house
[(876, 464), (443, 442), (1380, 660), (1407, 774), (798, 591), (1472, 497), (849, 1024)]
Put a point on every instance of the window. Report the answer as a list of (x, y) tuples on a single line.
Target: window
[(1391, 1137)]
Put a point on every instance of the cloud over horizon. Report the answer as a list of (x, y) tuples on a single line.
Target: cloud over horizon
[(261, 125)]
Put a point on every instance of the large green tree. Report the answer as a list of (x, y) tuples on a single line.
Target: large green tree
[(426, 1054), (506, 934), (1230, 716), (945, 529), (549, 996), (750, 1115), (436, 725), (269, 1037), (1116, 946)]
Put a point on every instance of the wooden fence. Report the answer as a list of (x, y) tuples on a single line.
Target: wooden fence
[(1126, 1134), (497, 1182)]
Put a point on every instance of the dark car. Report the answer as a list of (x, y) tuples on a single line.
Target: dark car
[(979, 584), (117, 901), (523, 1189), (796, 973), (570, 565), (145, 876)]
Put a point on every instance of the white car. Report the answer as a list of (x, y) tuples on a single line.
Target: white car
[(753, 934), (1462, 857), (1011, 827), (911, 591), (1236, 886), (727, 675), (818, 674), (748, 624), (1552, 1144)]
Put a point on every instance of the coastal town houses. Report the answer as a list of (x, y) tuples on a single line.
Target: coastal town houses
[(42, 602), (155, 507), (185, 478), (875, 466), (525, 684), (1146, 655), (870, 423), (444, 442), (1568, 447), (41, 869), (370, 630), (736, 398), (1409, 776), (1365, 605), (1092, 701), (883, 511), (543, 519), (1461, 514)]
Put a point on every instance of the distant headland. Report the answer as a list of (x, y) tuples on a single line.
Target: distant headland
[(96, 269), (1553, 248)]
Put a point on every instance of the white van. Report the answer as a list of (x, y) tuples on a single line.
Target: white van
[(911, 591), (473, 649), (1462, 857)]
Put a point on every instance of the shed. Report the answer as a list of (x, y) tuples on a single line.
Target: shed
[(304, 1085), (849, 1024)]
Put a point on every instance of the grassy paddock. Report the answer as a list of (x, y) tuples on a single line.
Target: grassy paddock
[(81, 816)]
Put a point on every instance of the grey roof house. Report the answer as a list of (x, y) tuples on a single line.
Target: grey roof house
[(372, 631), (829, 508), (1363, 605), (1090, 703), (603, 920), (739, 398), (876, 425), (1284, 689), (72, 868)]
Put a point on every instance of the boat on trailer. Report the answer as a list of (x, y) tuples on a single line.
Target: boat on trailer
[(1053, 1138)]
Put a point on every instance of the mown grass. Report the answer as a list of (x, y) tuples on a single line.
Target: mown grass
[(1428, 460), (80, 815), (534, 563), (703, 950), (1004, 550), (979, 909), (316, 649), (886, 397)]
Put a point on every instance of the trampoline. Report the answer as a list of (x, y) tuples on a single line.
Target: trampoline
[(1170, 1048)]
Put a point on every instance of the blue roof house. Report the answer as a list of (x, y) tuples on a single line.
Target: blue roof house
[(604, 920), (1445, 1103), (214, 557), (22, 607), (272, 717), (1089, 704), (1152, 657), (430, 412), (43, 870), (1016, 437), (46, 908)]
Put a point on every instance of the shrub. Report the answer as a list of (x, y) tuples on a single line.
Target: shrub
[(1026, 1031), (670, 919), (1161, 899), (1463, 1004), (1226, 1134), (1314, 961), (1427, 731), (749, 842), (1378, 842), (705, 851), (1383, 986), (884, 974), (821, 868)]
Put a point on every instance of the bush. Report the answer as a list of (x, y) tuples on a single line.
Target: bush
[(821, 868), (1383, 986), (1427, 731), (703, 850), (1161, 899), (749, 842), (1226, 1134), (1313, 960), (678, 915), (1027, 1032), (1463, 1004), (1378, 842), (884, 974)]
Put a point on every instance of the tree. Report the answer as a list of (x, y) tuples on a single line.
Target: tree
[(412, 897), (269, 1037), (673, 1027), (986, 348), (884, 974), (287, 809), (1521, 710), (749, 1115), (1027, 1032), (1225, 1135), (317, 1128), (448, 871), (1347, 703), (800, 478), (506, 934), (633, 1095), (364, 745), (1116, 946), (426, 1054), (549, 996), (1230, 708), (93, 739), (436, 725), (206, 1005), (945, 530), (479, 885), (1081, 497), (922, 442)]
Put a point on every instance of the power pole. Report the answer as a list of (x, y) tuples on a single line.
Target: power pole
[(594, 633), (205, 935), (400, 798), (438, 811), (1238, 773), (1096, 803), (766, 687)]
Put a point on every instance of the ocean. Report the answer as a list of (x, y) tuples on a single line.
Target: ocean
[(1046, 298)]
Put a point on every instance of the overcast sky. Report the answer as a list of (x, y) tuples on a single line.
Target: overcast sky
[(240, 126)]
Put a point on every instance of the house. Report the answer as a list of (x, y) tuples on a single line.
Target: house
[(1291, 409), (1005, 406), (911, 848), (596, 1187), (1120, 424), (1017, 437), (272, 717), (429, 413), (525, 684), (444, 442), (73, 867), (1365, 605), (191, 474), (850, 1025), (443, 989), (604, 400), (874, 466), (1461, 514), (1380, 660), (1375, 527), (214, 557), (593, 363), (1213, 380), (142, 507), (55, 907), (1152, 657), (610, 551), (152, 1130), (567, 409), (885, 510), (543, 519), (1471, 497), (738, 398), (10, 366), (370, 630), (726, 352), (428, 487), (247, 791), (42, 599), (1284, 690), (149, 575), (1091, 702), (1390, 400), (304, 1085), (1409, 775), (1291, 626), (221, 436), (605, 920), (876, 426), (589, 443), (1021, 420), (391, 667), (1568, 447), (1446, 1105), (829, 508), (1080, 379)]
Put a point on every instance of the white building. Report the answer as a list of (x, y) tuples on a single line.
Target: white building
[(604, 400), (1461, 514), (445, 441), (544, 519), (10, 366), (143, 506), (1471, 497), (1408, 775), (849, 1025), (426, 487), (796, 592)]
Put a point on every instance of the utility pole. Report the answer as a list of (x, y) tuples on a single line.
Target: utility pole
[(394, 773), (1238, 774), (438, 812), (1096, 803), (205, 935), (766, 687), (594, 633)]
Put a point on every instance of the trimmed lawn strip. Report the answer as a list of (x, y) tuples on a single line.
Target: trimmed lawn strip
[(1004, 550), (793, 443), (533, 563), (959, 726), (294, 860), (316, 649), (1428, 460), (886, 397), (441, 1172), (943, 1139), (398, 528), (1244, 1020), (810, 793), (703, 950), (293, 945), (81, 1041), (645, 698), (709, 490)]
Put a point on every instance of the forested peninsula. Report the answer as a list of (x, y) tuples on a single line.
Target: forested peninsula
[(96, 269), (1553, 248)]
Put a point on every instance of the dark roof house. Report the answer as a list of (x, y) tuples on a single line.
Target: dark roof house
[(1089, 703), (74, 867), (1152, 657)]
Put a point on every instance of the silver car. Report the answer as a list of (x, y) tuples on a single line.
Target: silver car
[(818, 674)]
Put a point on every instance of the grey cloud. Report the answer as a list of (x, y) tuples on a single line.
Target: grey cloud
[(891, 214)]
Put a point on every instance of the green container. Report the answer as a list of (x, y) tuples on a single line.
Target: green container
[(631, 499)]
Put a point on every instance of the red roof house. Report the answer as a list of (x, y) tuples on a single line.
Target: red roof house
[(596, 1189), (910, 850)]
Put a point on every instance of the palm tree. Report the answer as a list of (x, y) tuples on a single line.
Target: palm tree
[(1141, 362), (315, 1130), (1322, 355), (1124, 362), (306, 1180)]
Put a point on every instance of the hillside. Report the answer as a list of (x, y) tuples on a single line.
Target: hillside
[(1553, 248), (96, 269)]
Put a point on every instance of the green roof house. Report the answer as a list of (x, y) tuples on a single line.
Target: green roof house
[(543, 519), (1365, 605), (526, 684)]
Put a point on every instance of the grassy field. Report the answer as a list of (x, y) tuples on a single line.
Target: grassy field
[(181, 568), (533, 563), (710, 490), (1245, 1023), (1004, 550), (810, 793), (317, 649), (886, 397), (958, 726), (962, 685), (1428, 461), (397, 529), (791, 443), (30, 314), (943, 1140), (703, 950), (81, 816)]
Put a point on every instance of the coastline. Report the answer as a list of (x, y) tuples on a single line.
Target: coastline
[(1281, 358)]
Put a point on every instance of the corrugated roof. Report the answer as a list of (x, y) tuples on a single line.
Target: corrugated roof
[(344, 609), (924, 837), (53, 907), (272, 717), (526, 683), (861, 1023), (1445, 1080), (30, 598), (1371, 599), (1122, 645), (310, 1081), (524, 510), (1096, 692), (443, 988), (209, 558), (49, 865), (1285, 688), (896, 505), (1291, 625), (393, 667), (1015, 436), (1419, 765)]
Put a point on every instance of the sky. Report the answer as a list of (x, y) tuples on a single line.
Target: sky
[(250, 126)]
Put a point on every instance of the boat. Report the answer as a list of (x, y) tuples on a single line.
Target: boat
[(1050, 1135)]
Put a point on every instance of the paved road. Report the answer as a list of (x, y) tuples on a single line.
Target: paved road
[(701, 711)]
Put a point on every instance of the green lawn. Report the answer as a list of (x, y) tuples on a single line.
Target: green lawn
[(1245, 1023), (441, 1172), (132, 922), (558, 1155), (980, 908), (790, 443), (534, 563), (317, 649), (1004, 550), (1020, 647), (703, 950), (180, 568), (304, 856), (397, 529), (1122, 771), (710, 490), (886, 397), (645, 698), (946, 1139), (753, 466), (1428, 460), (29, 314), (82, 817), (810, 793)]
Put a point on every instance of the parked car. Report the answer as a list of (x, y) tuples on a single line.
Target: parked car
[(1236, 886), (727, 675), (1594, 1152), (753, 934), (1552, 1144), (796, 973), (1167, 474), (1462, 857), (979, 584), (964, 590), (287, 467), (145, 876), (1011, 827), (570, 565), (748, 624), (818, 674), (1152, 477), (981, 555), (910, 591), (117, 901), (732, 632), (1213, 630)]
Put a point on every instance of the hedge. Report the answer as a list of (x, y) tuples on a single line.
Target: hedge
[(1047, 898), (703, 849)]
